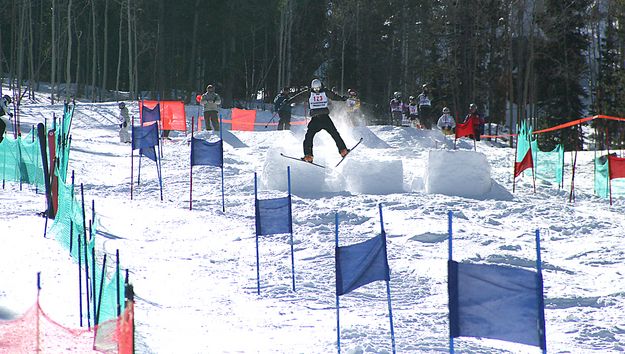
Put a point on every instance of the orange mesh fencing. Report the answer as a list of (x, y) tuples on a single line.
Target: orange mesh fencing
[(36, 332), (173, 116), (243, 119)]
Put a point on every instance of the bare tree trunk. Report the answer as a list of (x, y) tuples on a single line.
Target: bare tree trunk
[(105, 55), (130, 56), (53, 44), (289, 51), (78, 91), (94, 53), (20, 48), (68, 64), (194, 46), (119, 49), (31, 57)]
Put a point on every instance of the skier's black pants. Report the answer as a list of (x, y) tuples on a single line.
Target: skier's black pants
[(285, 120), (3, 127), (425, 116), (317, 123), (211, 117)]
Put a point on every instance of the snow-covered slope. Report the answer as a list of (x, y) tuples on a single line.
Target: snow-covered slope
[(194, 271)]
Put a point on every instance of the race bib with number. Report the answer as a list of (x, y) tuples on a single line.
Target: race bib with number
[(424, 101), (318, 100)]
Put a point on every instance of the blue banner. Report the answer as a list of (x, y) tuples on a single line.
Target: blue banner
[(497, 302), (273, 216), (361, 264), (144, 136), (207, 153), (150, 114)]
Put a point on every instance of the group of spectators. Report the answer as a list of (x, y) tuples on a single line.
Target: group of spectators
[(418, 113)]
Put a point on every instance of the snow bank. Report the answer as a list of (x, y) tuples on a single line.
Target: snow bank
[(367, 176), (458, 173), (306, 179), (369, 139)]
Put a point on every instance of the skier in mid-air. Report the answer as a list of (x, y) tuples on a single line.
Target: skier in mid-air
[(4, 109), (318, 101)]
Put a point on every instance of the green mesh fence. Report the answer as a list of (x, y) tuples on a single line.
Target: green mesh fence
[(548, 165), (69, 229), (523, 142), (20, 160), (602, 180)]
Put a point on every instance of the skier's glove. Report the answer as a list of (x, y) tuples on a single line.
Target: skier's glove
[(125, 124), (11, 115), (121, 125)]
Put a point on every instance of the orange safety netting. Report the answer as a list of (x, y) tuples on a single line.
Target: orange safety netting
[(173, 116), (243, 119), (561, 126), (36, 332), (616, 166)]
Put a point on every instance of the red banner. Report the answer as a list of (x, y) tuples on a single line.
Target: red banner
[(527, 162), (464, 129), (243, 119), (616, 166), (173, 116)]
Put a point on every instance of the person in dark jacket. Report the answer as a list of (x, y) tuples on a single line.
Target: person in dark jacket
[(318, 101), (4, 109), (284, 109), (425, 107), (477, 121)]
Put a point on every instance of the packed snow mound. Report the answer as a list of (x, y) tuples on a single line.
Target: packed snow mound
[(458, 173), (306, 179), (367, 176), (369, 139)]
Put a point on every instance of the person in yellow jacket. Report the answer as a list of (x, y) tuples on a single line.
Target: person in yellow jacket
[(211, 102)]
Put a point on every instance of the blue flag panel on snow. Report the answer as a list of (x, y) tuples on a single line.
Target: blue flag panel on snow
[(361, 264), (150, 153), (496, 302), (207, 153), (150, 114), (144, 136), (273, 216)]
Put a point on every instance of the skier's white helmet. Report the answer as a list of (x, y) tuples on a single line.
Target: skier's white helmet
[(397, 94), (445, 110), (316, 85)]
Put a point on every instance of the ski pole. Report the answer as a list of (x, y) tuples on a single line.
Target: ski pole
[(271, 120)]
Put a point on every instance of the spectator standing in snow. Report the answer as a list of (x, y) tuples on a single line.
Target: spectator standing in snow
[(413, 112), (477, 121), (353, 106), (425, 106), (124, 122), (398, 109), (318, 102), (446, 123), (211, 102), (4, 111), (284, 109)]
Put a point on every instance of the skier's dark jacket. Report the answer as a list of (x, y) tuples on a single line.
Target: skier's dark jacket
[(304, 96)]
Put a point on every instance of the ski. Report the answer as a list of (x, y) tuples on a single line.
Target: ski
[(349, 152), (301, 160)]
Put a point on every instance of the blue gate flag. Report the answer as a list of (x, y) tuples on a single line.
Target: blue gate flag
[(497, 302), (360, 264), (273, 216), (150, 114), (207, 153), (145, 138)]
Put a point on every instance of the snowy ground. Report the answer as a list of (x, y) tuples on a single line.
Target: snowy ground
[(194, 271)]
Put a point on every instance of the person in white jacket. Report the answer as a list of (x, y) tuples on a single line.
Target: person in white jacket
[(446, 122)]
